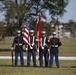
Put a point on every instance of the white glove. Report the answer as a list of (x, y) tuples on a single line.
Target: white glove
[(32, 44), (48, 50), (38, 51), (26, 49), (12, 48), (31, 47), (42, 47)]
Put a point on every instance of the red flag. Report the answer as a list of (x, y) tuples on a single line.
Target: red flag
[(38, 34), (39, 31)]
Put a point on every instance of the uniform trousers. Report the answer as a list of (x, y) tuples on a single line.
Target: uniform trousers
[(56, 59), (21, 58), (46, 57), (33, 54)]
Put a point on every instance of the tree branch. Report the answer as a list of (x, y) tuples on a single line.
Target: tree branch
[(24, 2), (16, 2)]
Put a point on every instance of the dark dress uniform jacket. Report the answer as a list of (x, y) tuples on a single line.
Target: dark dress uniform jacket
[(18, 42), (55, 43)]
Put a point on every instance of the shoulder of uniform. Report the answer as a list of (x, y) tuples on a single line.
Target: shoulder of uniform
[(57, 38), (15, 37), (51, 38)]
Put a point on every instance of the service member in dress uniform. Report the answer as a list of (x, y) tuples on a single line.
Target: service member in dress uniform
[(43, 50), (18, 42), (31, 48), (55, 43)]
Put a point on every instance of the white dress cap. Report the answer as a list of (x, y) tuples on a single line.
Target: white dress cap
[(43, 32), (54, 33), (18, 32), (31, 31)]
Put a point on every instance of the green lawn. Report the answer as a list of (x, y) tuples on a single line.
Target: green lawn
[(67, 68), (68, 48)]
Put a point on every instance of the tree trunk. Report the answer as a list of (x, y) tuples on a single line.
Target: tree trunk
[(20, 23)]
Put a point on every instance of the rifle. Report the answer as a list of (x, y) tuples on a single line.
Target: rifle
[(12, 58)]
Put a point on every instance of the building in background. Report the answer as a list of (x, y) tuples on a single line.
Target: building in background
[(62, 32), (59, 31)]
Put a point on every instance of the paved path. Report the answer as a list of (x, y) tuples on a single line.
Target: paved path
[(60, 57)]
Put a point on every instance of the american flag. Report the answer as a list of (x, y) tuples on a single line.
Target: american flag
[(26, 31)]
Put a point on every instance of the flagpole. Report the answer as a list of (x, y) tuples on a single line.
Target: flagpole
[(38, 41)]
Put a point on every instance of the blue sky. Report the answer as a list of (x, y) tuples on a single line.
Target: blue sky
[(70, 14)]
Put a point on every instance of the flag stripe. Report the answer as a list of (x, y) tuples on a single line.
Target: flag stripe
[(25, 40), (26, 37), (25, 34), (26, 31)]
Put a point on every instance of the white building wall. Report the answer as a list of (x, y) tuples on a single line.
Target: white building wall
[(59, 31)]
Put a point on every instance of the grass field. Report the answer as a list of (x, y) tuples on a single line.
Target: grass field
[(68, 48), (67, 68)]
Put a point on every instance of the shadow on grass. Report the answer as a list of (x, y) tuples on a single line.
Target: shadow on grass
[(12, 66), (73, 67), (69, 67), (33, 66), (6, 65), (22, 66)]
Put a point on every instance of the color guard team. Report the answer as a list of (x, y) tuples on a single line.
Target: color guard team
[(48, 47)]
